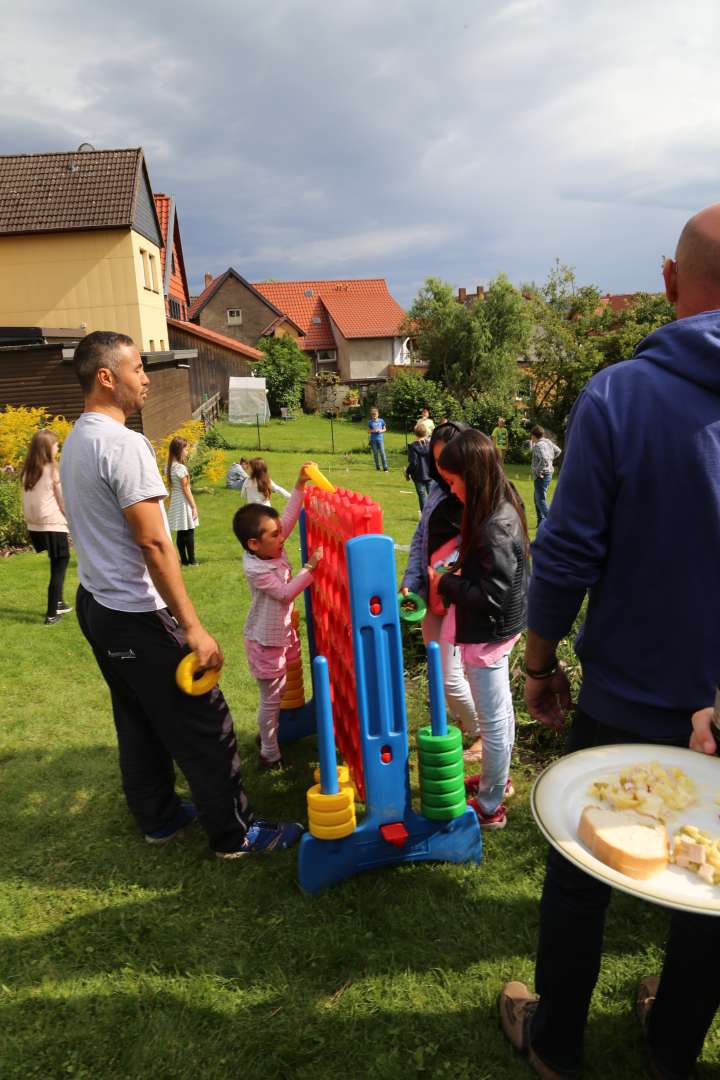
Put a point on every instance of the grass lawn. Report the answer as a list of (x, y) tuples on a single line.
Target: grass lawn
[(122, 961)]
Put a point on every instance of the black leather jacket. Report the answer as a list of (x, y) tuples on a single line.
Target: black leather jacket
[(490, 593)]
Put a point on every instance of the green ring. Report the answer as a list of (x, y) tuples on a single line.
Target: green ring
[(449, 757), (451, 798), (439, 772), (406, 614), (443, 815), (438, 744), (455, 786)]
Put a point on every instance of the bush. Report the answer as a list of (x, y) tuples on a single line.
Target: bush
[(13, 531), (17, 427), (403, 396), (286, 369)]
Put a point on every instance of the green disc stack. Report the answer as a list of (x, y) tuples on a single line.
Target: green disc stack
[(442, 787)]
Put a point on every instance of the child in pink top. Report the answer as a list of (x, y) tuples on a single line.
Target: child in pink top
[(270, 638)]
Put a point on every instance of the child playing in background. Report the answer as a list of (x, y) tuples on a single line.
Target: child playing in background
[(45, 515), (488, 603), (270, 638), (182, 512), (259, 486), (418, 466), (377, 429), (500, 437)]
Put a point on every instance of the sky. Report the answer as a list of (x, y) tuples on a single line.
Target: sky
[(389, 138)]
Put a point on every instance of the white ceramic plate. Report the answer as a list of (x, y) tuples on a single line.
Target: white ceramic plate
[(563, 789)]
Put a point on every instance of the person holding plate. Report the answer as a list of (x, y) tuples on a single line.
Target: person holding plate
[(635, 527)]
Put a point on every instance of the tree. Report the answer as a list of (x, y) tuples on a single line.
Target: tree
[(285, 369), (408, 392)]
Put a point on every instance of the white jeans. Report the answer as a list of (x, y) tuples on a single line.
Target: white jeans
[(490, 687), (457, 691)]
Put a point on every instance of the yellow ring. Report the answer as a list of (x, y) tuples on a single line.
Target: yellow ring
[(189, 685), (329, 803), (332, 832)]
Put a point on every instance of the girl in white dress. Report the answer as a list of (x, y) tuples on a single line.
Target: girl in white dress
[(182, 512)]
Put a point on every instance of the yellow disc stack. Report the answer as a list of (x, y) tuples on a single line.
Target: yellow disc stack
[(294, 696), (330, 817)]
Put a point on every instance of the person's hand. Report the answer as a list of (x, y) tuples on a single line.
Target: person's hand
[(703, 738), (315, 558), (206, 648), (549, 699), (194, 513), (303, 478), (404, 591)]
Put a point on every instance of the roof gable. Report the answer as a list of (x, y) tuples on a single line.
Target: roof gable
[(95, 189), (170, 231), (359, 307), (209, 291)]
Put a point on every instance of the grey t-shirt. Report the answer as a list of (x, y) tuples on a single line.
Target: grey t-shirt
[(104, 468)]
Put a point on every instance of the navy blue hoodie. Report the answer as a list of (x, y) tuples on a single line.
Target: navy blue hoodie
[(635, 523)]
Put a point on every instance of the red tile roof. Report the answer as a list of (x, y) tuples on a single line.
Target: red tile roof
[(218, 339), (96, 189), (175, 283), (162, 205), (360, 307)]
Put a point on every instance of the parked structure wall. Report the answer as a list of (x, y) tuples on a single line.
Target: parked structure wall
[(93, 277)]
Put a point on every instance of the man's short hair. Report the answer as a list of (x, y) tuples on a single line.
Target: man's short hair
[(97, 350), (538, 432), (248, 522)]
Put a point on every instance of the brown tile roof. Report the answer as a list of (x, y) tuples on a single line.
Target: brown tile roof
[(96, 189), (360, 307), (218, 339)]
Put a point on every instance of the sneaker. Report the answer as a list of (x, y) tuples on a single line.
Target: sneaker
[(63, 608), (496, 820), (51, 619), (264, 765), (517, 1008), (184, 817), (263, 837), (472, 786)]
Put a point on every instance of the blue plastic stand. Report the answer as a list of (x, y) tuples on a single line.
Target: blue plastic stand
[(390, 832), (294, 724)]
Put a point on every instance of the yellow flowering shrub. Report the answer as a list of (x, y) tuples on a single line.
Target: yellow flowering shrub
[(17, 427), (214, 469)]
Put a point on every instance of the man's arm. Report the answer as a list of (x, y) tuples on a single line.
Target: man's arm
[(147, 525)]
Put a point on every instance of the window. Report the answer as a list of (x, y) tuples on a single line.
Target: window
[(153, 274), (326, 355), (316, 319), (173, 269), (147, 277), (175, 309), (308, 292), (152, 345), (234, 316), (162, 344)]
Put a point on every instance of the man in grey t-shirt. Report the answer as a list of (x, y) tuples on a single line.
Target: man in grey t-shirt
[(135, 612)]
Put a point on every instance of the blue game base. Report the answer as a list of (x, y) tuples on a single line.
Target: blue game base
[(324, 862), (294, 724)]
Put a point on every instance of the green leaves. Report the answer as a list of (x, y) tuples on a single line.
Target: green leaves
[(285, 369)]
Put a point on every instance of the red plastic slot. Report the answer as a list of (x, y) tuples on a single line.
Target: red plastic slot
[(395, 834)]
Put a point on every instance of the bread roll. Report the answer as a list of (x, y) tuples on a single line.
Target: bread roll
[(635, 844)]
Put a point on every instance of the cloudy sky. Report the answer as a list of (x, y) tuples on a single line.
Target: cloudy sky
[(390, 138)]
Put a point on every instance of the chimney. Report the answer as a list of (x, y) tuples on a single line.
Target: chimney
[(208, 280), (480, 292), (462, 293)]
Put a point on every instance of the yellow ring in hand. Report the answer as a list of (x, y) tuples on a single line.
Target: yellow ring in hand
[(184, 676)]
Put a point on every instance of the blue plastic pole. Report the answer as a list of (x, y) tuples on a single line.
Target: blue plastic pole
[(438, 717), (326, 735)]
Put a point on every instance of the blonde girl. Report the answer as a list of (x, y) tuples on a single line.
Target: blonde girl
[(45, 515), (182, 512)]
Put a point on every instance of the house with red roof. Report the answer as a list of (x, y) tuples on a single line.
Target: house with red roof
[(231, 306), (351, 326)]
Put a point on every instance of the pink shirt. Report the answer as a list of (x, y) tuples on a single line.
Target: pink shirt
[(273, 588), (480, 654), (40, 504)]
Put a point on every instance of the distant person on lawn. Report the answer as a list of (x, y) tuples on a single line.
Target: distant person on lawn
[(635, 526), (237, 474), (418, 466), (426, 418), (542, 467), (376, 431), (44, 512), (135, 613), (500, 438)]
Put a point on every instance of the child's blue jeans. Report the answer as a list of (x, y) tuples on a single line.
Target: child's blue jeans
[(490, 689), (378, 452)]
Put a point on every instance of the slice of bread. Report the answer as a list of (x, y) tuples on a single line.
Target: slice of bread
[(634, 844)]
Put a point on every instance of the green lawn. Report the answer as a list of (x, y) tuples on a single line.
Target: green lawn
[(121, 961)]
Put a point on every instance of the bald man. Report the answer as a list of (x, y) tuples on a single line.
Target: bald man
[(635, 526)]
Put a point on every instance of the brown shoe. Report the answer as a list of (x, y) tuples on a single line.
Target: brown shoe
[(517, 1007), (645, 998)]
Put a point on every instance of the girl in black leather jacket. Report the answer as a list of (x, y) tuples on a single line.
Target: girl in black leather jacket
[(487, 595)]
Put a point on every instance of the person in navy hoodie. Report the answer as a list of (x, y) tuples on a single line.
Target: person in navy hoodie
[(635, 527)]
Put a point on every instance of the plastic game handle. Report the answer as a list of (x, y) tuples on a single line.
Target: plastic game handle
[(316, 477), (326, 734), (438, 716)]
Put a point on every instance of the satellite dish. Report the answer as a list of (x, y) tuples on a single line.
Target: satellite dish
[(84, 147)]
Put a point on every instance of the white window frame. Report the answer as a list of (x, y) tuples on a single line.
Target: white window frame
[(234, 316)]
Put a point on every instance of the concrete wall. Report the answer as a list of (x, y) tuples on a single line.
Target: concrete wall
[(256, 315), (94, 277), (369, 358)]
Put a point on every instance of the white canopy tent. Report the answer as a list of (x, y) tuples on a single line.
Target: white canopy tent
[(247, 401)]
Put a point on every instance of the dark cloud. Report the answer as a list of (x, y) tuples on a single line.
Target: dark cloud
[(397, 139)]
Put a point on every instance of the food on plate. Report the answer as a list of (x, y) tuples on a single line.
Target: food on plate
[(694, 850), (650, 789), (635, 844)]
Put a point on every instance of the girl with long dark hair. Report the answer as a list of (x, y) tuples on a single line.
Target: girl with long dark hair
[(259, 486), (182, 511), (45, 515), (487, 594)]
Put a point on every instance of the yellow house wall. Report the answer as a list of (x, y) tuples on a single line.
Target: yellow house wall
[(94, 278)]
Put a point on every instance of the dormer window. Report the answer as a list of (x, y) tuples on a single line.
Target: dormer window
[(317, 320), (308, 292)]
